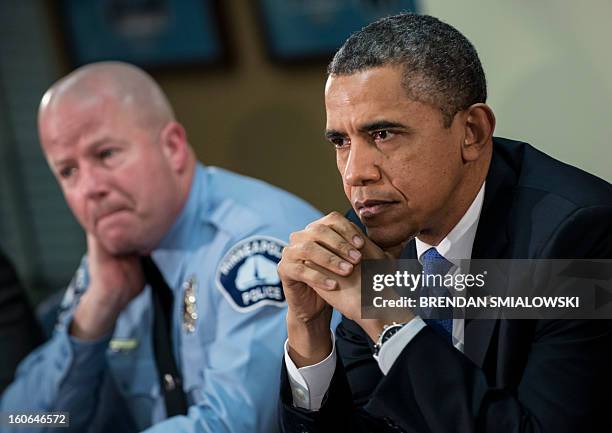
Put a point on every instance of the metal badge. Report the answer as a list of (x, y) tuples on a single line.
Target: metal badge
[(190, 311)]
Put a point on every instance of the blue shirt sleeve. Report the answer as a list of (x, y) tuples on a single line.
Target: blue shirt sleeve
[(64, 374)]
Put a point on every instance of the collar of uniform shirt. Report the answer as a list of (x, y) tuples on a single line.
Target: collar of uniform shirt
[(169, 253), (457, 245), (179, 235)]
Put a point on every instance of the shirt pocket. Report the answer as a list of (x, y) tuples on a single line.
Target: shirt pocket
[(136, 379)]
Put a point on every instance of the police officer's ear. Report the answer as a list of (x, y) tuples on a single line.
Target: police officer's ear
[(479, 124), (173, 140)]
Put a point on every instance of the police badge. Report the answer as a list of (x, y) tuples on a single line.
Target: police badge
[(190, 311), (247, 274)]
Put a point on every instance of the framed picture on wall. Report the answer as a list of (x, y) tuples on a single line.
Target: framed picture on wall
[(306, 30), (148, 33)]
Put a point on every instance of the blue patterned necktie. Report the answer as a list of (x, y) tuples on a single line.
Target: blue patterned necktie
[(435, 264)]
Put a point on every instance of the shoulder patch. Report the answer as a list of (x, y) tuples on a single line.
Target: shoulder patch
[(247, 274)]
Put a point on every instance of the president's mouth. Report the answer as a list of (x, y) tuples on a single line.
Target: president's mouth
[(373, 208)]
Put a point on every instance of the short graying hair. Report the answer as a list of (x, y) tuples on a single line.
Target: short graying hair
[(441, 67)]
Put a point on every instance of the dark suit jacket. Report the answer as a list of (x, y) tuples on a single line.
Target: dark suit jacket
[(19, 330), (514, 375)]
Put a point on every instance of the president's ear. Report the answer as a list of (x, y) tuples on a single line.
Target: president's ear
[(479, 125)]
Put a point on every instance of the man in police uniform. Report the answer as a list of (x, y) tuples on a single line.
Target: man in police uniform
[(131, 179)]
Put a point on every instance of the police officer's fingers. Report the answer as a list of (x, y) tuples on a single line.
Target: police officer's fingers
[(300, 271), (96, 253), (341, 225), (93, 247), (330, 239)]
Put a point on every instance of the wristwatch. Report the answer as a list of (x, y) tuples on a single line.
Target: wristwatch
[(387, 332)]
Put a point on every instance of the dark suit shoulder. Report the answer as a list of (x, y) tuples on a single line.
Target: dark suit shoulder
[(555, 206), (541, 172)]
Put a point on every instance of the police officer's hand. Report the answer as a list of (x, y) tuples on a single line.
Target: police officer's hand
[(331, 243), (114, 282)]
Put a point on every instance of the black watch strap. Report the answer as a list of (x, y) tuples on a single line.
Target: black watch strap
[(388, 332)]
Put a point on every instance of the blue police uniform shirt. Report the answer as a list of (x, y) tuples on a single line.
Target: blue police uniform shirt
[(219, 258)]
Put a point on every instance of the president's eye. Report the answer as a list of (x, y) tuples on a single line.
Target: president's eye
[(340, 142), (382, 135)]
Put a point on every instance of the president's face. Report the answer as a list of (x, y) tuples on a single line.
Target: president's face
[(399, 164)]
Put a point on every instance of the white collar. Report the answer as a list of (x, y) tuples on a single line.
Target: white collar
[(458, 243)]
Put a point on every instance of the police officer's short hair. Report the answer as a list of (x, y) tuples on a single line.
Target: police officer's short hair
[(441, 66)]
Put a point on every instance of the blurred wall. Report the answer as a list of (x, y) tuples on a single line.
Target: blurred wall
[(37, 231), (547, 66), (259, 118)]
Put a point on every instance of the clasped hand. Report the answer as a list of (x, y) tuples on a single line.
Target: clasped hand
[(321, 266)]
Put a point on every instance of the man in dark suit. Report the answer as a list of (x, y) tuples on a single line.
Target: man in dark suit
[(20, 333), (406, 112)]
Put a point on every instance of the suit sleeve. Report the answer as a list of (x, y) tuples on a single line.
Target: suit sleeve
[(343, 407), (434, 388)]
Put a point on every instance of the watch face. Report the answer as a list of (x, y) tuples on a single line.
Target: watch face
[(390, 332)]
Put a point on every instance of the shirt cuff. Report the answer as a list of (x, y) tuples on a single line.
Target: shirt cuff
[(310, 384), (84, 358), (90, 354), (394, 346)]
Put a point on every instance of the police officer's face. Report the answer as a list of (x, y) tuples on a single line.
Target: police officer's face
[(399, 163), (115, 175)]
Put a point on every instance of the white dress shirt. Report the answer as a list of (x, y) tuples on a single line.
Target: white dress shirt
[(309, 384)]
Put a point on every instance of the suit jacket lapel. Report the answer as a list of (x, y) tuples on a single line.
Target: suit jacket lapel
[(409, 251), (491, 242)]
